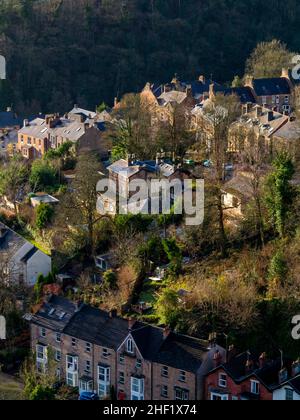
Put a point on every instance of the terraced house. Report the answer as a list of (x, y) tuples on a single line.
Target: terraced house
[(130, 360)]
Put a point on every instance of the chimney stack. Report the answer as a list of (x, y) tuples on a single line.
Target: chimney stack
[(217, 359), (113, 313), (270, 116), (167, 331), (25, 123), (283, 376), (262, 360), (231, 353), (211, 91), (131, 322), (258, 111), (285, 74), (202, 79), (249, 81)]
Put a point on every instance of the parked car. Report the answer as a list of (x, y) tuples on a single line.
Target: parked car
[(88, 396)]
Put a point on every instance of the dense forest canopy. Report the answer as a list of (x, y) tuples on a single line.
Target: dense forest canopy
[(64, 51)]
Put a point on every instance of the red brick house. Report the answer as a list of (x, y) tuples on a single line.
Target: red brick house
[(244, 377)]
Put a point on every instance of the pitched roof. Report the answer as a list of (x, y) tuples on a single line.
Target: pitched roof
[(55, 314), (96, 326), (236, 368), (81, 111), (244, 93), (9, 119), (272, 86), (10, 240), (179, 351), (182, 352)]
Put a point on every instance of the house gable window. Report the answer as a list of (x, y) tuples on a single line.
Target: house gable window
[(88, 347), (58, 337), (255, 387), (164, 391), (43, 332), (130, 346), (222, 380), (289, 395)]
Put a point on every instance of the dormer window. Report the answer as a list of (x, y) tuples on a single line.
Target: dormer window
[(130, 346)]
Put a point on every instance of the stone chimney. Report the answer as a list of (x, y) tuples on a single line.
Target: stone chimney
[(249, 81), (116, 102), (283, 376), (78, 305), (167, 331), (113, 313), (258, 111), (202, 79), (131, 322), (285, 74), (247, 108), (217, 359), (270, 116), (262, 360), (211, 91)]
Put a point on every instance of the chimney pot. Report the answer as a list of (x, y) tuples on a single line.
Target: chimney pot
[(167, 332), (113, 313), (131, 322), (218, 358), (262, 360)]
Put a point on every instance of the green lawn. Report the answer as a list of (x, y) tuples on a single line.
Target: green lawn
[(10, 388)]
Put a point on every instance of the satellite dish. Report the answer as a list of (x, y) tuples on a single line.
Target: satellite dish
[(2, 328), (2, 68)]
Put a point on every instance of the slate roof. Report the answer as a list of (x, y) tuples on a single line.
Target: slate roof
[(9, 119), (267, 376), (244, 93), (178, 351), (98, 327), (65, 128), (10, 239), (272, 86), (55, 314), (80, 111), (182, 352)]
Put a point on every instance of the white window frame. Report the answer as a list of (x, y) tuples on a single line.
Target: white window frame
[(43, 332), (255, 387), (71, 363), (88, 347), (58, 337), (165, 371), (137, 387), (219, 396), (41, 351), (86, 386), (182, 376), (72, 379), (58, 355), (222, 380), (184, 395), (130, 346), (103, 381)]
